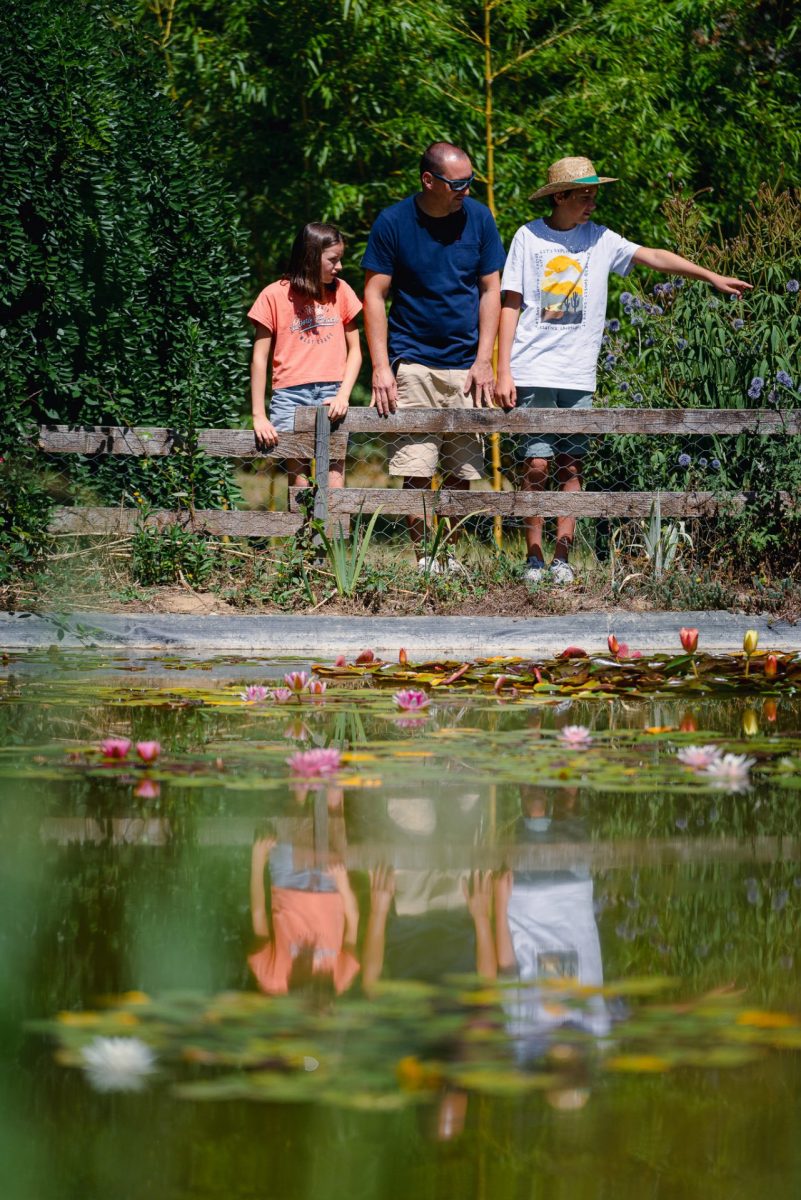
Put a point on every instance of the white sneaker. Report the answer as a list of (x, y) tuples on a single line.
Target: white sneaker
[(440, 566), (534, 570), (562, 572)]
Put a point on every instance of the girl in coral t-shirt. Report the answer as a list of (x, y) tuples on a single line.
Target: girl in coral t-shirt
[(307, 322)]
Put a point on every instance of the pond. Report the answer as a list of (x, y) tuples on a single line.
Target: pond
[(502, 928)]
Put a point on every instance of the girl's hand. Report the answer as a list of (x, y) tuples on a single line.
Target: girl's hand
[(505, 390), (265, 432), (730, 287), (261, 849), (337, 406)]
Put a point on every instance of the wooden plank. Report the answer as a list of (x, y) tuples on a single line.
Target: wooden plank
[(588, 420), (155, 442), (217, 522), (396, 502)]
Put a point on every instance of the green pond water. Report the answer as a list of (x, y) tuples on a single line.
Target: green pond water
[(505, 958)]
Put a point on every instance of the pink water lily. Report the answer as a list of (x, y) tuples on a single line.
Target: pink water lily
[(254, 693), (340, 661), (410, 700), (148, 751), (283, 695), (317, 687), (315, 764), (115, 747), (698, 757), (297, 681), (578, 737)]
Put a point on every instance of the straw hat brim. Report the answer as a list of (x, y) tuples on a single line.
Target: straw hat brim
[(568, 186)]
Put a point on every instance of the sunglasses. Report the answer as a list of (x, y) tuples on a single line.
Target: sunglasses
[(456, 185)]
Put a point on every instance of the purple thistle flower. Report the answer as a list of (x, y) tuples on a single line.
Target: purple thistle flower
[(773, 396), (678, 283), (610, 360), (624, 387), (715, 464), (714, 302), (636, 398), (703, 462), (779, 900), (684, 460), (613, 326), (737, 323), (784, 379), (754, 393), (626, 298), (792, 286), (636, 320), (656, 310), (682, 344)]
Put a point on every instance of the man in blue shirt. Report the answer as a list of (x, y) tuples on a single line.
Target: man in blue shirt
[(437, 256)]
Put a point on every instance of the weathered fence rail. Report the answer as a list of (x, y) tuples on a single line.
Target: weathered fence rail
[(315, 438)]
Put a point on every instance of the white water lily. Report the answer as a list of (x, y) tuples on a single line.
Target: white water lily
[(698, 757), (118, 1064), (731, 770)]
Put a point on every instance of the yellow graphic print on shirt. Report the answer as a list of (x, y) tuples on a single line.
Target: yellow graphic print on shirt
[(562, 291)]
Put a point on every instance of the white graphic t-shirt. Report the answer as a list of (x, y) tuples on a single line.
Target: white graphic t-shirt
[(562, 275)]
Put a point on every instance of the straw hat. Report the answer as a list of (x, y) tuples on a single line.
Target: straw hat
[(569, 173)]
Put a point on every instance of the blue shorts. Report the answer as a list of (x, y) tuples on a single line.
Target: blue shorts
[(546, 445), (284, 875), (284, 401)]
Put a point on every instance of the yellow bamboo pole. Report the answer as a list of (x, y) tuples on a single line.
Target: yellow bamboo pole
[(495, 440)]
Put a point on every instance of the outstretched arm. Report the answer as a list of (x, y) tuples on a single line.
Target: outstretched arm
[(258, 900), (503, 938), (674, 264), (382, 889)]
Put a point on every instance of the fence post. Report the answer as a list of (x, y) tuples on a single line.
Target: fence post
[(322, 456)]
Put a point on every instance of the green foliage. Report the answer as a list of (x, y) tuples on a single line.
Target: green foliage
[(122, 272), (346, 555), (164, 556)]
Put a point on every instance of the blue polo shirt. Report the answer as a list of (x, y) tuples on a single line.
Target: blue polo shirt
[(435, 264)]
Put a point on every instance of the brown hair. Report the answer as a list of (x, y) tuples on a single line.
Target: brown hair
[(304, 271)]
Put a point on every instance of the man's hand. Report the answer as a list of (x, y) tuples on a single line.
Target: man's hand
[(731, 287), (481, 382), (384, 396), (505, 390), (382, 889), (265, 432), (337, 406), (477, 890)]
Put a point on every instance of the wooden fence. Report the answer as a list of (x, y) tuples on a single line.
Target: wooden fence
[(314, 437)]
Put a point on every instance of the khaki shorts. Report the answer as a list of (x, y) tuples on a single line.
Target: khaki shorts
[(416, 455)]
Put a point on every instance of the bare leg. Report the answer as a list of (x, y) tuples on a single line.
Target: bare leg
[(336, 474), (416, 524), (298, 472), (535, 477), (568, 476)]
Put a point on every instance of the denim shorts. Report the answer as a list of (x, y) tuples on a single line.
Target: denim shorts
[(284, 875), (284, 401), (546, 445)]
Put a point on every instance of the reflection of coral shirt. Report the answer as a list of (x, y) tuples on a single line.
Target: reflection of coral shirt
[(304, 919), (308, 335)]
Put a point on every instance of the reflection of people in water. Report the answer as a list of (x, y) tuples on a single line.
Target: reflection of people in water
[(311, 940), (545, 930)]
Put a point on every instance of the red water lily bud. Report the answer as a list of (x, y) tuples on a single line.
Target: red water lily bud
[(573, 652), (340, 661), (689, 640), (613, 644), (770, 710), (771, 666), (688, 723), (366, 656), (403, 657)]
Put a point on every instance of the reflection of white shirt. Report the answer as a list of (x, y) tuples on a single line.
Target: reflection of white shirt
[(562, 275), (554, 935)]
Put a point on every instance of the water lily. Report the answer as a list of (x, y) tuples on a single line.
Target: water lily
[(573, 652), (403, 657), (254, 693), (297, 681), (366, 656), (731, 770), (750, 723), (118, 1064), (148, 751), (315, 764), (770, 710), (317, 687), (771, 666), (283, 695), (576, 736), (409, 700), (147, 789), (613, 644), (698, 757), (115, 747), (750, 641), (689, 640)]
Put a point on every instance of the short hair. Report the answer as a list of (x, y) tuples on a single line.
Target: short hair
[(305, 269), (433, 157)]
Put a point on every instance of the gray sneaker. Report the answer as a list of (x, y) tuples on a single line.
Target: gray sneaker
[(440, 566), (562, 572), (534, 570)]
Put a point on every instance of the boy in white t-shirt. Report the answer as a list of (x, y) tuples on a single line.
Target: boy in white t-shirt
[(552, 322)]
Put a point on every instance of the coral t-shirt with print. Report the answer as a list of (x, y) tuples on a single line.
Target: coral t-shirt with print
[(304, 919), (308, 335)]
